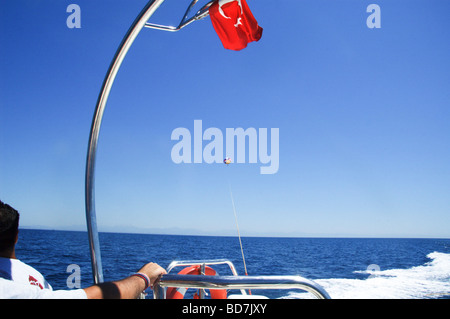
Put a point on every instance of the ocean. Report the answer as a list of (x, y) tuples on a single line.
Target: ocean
[(348, 268)]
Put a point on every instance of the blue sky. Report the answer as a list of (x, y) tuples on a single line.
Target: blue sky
[(362, 116)]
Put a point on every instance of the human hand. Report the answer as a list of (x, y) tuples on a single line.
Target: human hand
[(153, 271)]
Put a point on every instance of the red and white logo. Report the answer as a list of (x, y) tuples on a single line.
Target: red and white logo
[(33, 281), (234, 23)]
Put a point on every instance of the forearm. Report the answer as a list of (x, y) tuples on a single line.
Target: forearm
[(128, 288)]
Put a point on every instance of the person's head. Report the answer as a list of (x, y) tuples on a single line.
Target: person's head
[(9, 227)]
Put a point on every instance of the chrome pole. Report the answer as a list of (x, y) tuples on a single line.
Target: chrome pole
[(91, 219), (202, 272)]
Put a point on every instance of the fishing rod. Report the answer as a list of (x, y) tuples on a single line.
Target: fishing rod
[(237, 226), (227, 161)]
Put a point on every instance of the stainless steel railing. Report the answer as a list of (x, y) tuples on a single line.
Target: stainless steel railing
[(184, 263), (238, 282), (232, 282)]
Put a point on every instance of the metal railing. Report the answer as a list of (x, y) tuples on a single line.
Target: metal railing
[(238, 282), (232, 282), (184, 263)]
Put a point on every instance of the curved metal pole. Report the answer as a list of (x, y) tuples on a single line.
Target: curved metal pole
[(91, 219)]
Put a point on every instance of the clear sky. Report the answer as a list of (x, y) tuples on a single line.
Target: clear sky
[(363, 117)]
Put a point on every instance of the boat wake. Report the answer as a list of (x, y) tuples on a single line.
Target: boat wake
[(430, 280)]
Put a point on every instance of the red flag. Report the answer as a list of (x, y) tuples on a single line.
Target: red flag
[(234, 23)]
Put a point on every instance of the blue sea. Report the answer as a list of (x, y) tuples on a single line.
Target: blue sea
[(348, 268)]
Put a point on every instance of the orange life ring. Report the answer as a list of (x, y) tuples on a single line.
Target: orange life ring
[(178, 293)]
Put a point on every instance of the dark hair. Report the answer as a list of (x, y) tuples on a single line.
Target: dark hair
[(9, 225)]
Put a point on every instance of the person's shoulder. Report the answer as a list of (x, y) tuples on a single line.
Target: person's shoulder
[(25, 273), (13, 290), (19, 263)]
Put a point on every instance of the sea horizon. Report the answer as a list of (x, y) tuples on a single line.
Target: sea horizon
[(196, 232)]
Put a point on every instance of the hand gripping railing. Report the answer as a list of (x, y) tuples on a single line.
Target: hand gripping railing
[(238, 282)]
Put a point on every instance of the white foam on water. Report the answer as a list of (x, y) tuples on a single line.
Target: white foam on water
[(430, 280)]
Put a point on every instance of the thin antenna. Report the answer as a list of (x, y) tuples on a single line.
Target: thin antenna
[(237, 226)]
